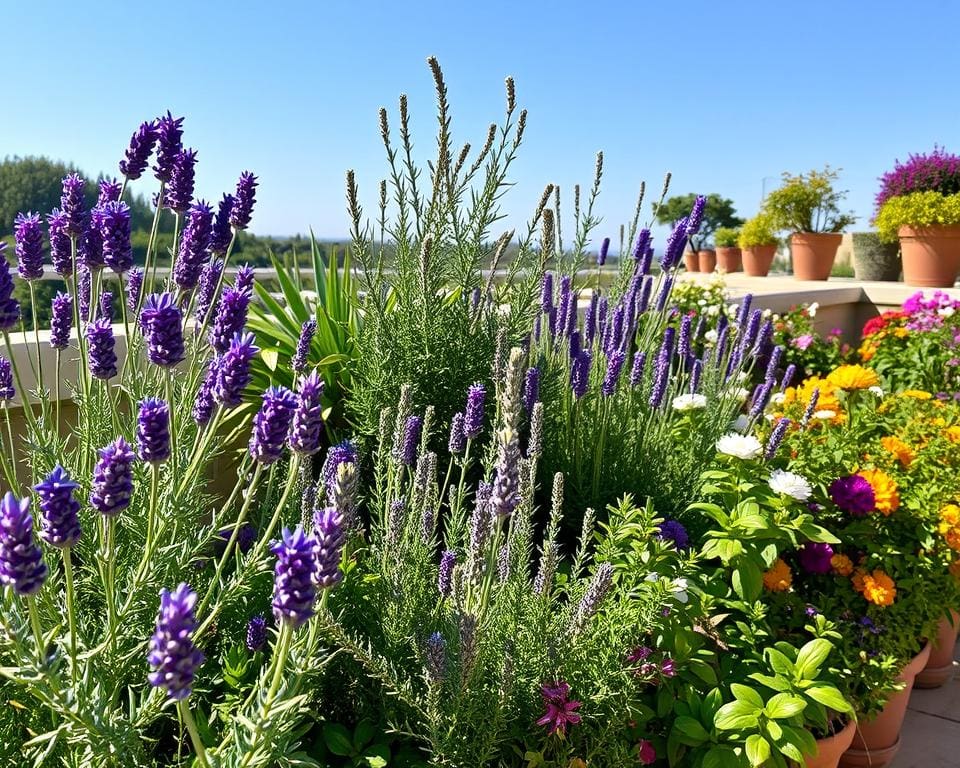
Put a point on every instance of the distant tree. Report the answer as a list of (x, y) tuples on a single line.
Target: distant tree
[(719, 212)]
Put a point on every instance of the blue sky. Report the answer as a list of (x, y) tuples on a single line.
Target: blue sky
[(724, 95)]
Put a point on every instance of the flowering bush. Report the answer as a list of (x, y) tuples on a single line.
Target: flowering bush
[(804, 347), (938, 172), (919, 209)]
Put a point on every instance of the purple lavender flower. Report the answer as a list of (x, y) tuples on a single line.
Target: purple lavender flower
[(696, 371), (194, 246), (230, 319), (596, 592), (234, 370), (71, 203), (134, 287), (162, 325), (602, 255), (84, 292), (100, 349), (546, 292), (788, 376), (21, 561), (115, 231), (90, 246), (60, 525), (342, 453), (531, 389), (695, 220), (137, 155), (307, 424), (331, 535), (302, 352), (243, 201), (7, 390), (209, 278), (938, 171), (293, 589), (458, 441), (204, 403), (61, 320), (222, 234), (153, 431), (179, 191), (407, 454), (683, 344), (853, 494), (811, 407), (436, 657), (814, 557), (744, 311), (272, 424), (505, 495), (9, 306), (173, 656), (256, 633), (112, 486), (473, 415), (590, 320), (760, 399), (28, 234), (614, 367), (613, 335), (666, 287), (675, 245), (243, 281), (636, 370), (108, 191), (776, 438), (106, 305), (60, 255), (169, 134), (445, 577), (580, 373), (643, 300), (673, 530), (575, 345), (773, 364)]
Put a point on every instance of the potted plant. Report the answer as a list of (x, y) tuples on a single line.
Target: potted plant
[(808, 207), (729, 257), (718, 212), (875, 259), (758, 243)]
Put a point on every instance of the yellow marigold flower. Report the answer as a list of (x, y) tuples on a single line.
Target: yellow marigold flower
[(778, 578), (901, 333), (853, 377), (939, 421), (884, 490), (898, 448), (827, 400), (878, 588), (841, 564), (867, 351), (953, 434), (949, 526), (917, 394)]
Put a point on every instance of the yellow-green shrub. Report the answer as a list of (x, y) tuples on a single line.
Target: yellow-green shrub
[(920, 209)]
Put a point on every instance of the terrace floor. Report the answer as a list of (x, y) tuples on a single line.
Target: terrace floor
[(931, 732)]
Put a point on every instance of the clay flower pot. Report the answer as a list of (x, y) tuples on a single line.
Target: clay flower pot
[(729, 259), (829, 750), (931, 256), (757, 260), (877, 741), (873, 259), (707, 259), (691, 261), (813, 254), (940, 667)]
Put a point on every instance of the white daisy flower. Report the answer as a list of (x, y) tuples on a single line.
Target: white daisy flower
[(739, 446), (778, 398), (689, 402), (790, 484), (711, 336), (825, 415), (878, 391), (812, 309)]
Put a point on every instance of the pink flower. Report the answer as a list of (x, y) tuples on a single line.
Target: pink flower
[(668, 668), (560, 711), (802, 342), (646, 753)]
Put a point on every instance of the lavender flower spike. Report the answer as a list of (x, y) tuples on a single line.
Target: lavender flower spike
[(21, 561), (531, 389), (473, 415), (243, 201), (614, 367), (776, 438), (506, 481), (173, 655), (590, 602), (60, 526), (9, 306), (293, 590), (204, 403), (602, 255), (61, 320), (115, 231), (208, 287), (169, 135), (112, 486), (230, 319), (162, 325), (28, 234), (307, 424), (436, 658), (256, 634), (7, 390), (445, 577), (302, 352), (179, 191), (330, 534), (233, 373), (71, 203), (407, 454), (60, 256), (344, 452), (134, 288), (458, 441), (244, 279), (100, 349), (222, 234), (137, 155), (153, 431), (272, 424), (194, 246)]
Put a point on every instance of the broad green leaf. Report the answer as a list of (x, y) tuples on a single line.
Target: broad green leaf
[(735, 716), (337, 739), (830, 697), (783, 706), (757, 749), (690, 731), (270, 357), (747, 580), (811, 656), (802, 738), (780, 663), (746, 693), (776, 683)]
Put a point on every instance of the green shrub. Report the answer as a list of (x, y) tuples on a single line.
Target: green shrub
[(920, 209), (759, 230), (726, 237), (808, 202)]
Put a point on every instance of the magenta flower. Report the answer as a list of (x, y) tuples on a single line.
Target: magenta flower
[(853, 494), (561, 712), (646, 754), (803, 342), (814, 557)]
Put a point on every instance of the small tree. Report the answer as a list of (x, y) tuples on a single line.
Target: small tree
[(719, 212)]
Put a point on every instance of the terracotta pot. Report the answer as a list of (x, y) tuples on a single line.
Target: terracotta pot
[(691, 261), (757, 260), (729, 259), (829, 750), (813, 254), (931, 256), (876, 742), (940, 667), (707, 259)]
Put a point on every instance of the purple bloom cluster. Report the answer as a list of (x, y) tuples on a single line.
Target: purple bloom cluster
[(222, 234), (938, 171), (60, 256), (71, 203), (506, 477), (293, 584), (7, 390), (307, 425), (100, 349), (458, 442), (137, 155), (21, 561), (194, 246), (58, 508), (230, 319), (179, 192), (445, 574), (776, 438), (208, 287), (407, 453), (531, 389), (112, 486), (256, 634), (28, 235), (342, 453), (300, 356), (243, 281), (814, 557), (233, 372), (330, 534), (169, 135), (114, 221), (61, 320), (673, 530), (580, 373), (173, 655), (272, 424), (473, 415), (162, 324), (153, 431), (853, 494), (243, 201), (9, 306), (134, 288)]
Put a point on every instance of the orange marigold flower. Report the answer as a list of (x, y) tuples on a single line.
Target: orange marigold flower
[(884, 490), (827, 400), (878, 588), (841, 564), (778, 578), (857, 579), (916, 394), (953, 434), (853, 377), (898, 448), (949, 526)]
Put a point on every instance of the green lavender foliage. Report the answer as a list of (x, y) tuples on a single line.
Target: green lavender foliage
[(422, 261)]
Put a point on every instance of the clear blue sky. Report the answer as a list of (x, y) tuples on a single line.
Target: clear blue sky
[(723, 94)]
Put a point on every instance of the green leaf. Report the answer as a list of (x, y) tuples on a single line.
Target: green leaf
[(337, 739), (780, 663), (747, 580), (830, 697), (757, 749), (802, 738), (783, 706), (811, 656), (776, 683), (703, 670), (746, 693), (751, 523), (691, 732), (376, 756), (721, 757), (664, 702), (735, 716), (270, 357), (363, 734)]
